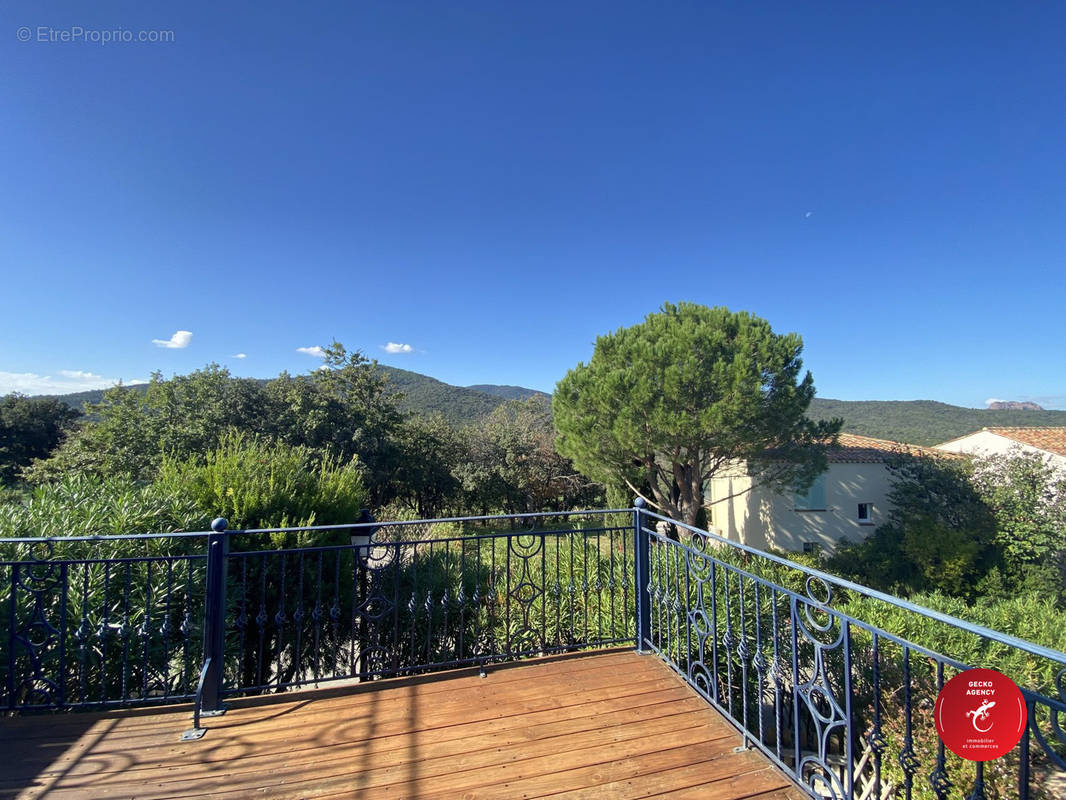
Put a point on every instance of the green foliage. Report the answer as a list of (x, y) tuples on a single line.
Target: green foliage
[(416, 395), (924, 422), (183, 416), (424, 477), (345, 409), (1027, 498), (511, 464), (1033, 619), (423, 396), (987, 527), (88, 505), (260, 484), (349, 409), (671, 401), (509, 392), (536, 477), (939, 535), (117, 440), (30, 428)]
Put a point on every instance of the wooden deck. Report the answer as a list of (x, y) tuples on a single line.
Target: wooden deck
[(605, 725)]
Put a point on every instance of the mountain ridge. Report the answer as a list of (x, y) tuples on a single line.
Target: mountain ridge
[(921, 422)]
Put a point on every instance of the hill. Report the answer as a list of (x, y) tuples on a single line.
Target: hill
[(924, 422), (507, 392), (78, 400), (459, 405), (423, 395)]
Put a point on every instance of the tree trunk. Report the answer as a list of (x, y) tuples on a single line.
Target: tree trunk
[(690, 510)]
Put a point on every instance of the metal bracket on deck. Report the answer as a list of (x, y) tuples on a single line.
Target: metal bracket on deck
[(196, 732)]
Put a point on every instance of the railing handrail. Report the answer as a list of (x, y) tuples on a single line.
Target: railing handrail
[(865, 591), (394, 543), (306, 528), (116, 537)]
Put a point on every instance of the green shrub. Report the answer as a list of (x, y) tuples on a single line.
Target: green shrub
[(87, 505), (130, 623), (259, 484)]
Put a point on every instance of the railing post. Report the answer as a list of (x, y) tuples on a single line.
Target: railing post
[(361, 539), (215, 617), (642, 575)]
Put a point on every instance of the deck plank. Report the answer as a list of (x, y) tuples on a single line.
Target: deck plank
[(605, 725)]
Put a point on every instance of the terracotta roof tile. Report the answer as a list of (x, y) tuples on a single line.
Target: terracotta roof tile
[(1051, 439), (855, 449)]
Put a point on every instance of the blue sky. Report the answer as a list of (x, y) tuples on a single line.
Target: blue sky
[(493, 185)]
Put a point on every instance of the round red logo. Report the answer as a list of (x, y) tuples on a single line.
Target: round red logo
[(980, 714)]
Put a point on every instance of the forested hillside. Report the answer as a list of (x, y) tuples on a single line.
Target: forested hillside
[(423, 396), (507, 392), (924, 422), (79, 400), (344, 424)]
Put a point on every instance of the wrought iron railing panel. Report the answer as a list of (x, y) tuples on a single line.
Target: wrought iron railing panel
[(307, 615), (843, 705), (99, 621), (85, 629)]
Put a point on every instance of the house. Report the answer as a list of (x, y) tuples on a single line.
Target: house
[(1047, 442), (849, 500)]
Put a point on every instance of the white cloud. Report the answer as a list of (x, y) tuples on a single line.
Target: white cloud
[(992, 400), (71, 380), (239, 355), (178, 341), (396, 347), (315, 351)]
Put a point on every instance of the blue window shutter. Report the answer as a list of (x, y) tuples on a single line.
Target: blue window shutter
[(814, 498), (817, 493)]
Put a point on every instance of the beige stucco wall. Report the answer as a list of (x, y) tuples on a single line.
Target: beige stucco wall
[(762, 518), (988, 443)]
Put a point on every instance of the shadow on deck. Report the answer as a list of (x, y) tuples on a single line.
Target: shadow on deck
[(606, 725)]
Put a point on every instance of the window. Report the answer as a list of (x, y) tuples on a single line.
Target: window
[(866, 513), (812, 548), (814, 498)]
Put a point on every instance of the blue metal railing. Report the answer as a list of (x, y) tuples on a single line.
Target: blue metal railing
[(96, 622), (782, 650), (841, 704), (116, 625)]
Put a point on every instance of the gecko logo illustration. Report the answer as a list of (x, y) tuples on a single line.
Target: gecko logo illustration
[(980, 714)]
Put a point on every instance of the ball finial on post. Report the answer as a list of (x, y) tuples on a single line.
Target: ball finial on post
[(218, 524), (639, 503)]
